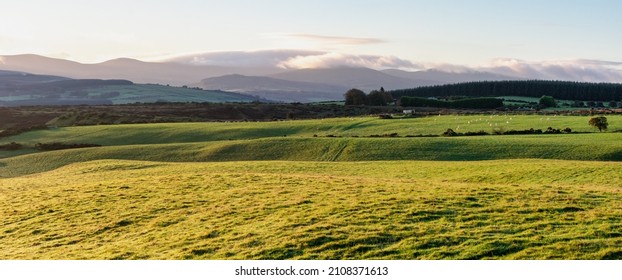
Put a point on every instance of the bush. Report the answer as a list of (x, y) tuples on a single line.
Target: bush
[(547, 101), (450, 132), (521, 132), (422, 102), (498, 131), (469, 103), (550, 130), (477, 103), (476, 133), (62, 146)]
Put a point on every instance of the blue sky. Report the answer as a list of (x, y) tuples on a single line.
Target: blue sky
[(455, 32)]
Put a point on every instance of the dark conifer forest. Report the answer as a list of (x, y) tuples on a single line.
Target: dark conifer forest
[(532, 88)]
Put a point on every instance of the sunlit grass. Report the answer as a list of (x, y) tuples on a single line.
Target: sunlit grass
[(360, 126), (275, 191), (518, 209), (594, 146)]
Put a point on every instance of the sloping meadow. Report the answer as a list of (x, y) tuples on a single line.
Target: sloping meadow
[(321, 189), (509, 209)]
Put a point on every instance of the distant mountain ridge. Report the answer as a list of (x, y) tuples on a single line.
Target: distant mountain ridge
[(269, 81), (275, 89), (123, 68), (350, 77), (437, 77)]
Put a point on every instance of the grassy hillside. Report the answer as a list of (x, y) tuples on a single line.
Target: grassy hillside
[(519, 209), (98, 93), (360, 126), (571, 147), (155, 93), (272, 190), (293, 140)]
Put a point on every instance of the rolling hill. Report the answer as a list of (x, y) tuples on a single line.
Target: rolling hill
[(271, 190), (19, 88), (275, 89), (10, 79)]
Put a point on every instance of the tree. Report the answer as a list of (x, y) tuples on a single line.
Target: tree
[(599, 122), (355, 97), (547, 101), (376, 98), (388, 98)]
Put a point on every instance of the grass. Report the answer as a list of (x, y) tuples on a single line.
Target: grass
[(363, 126), (293, 140), (155, 93), (273, 191), (509, 209), (569, 147)]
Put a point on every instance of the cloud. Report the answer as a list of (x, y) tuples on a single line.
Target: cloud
[(447, 67), (293, 59), (266, 58), (331, 59), (336, 40), (586, 70)]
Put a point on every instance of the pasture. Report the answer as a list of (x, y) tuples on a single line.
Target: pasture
[(284, 190), (347, 127), (509, 209)]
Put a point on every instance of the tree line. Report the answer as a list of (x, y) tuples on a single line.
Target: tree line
[(374, 98), (467, 103), (532, 88)]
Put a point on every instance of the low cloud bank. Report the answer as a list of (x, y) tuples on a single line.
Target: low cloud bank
[(574, 70)]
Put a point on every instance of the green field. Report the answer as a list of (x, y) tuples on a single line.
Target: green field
[(155, 93), (274, 191), (347, 127)]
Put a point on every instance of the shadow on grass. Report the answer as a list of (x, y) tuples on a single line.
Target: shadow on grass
[(614, 156), (496, 249), (280, 253), (427, 215), (613, 255)]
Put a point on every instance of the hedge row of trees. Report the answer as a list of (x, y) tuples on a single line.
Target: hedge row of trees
[(534, 88), (374, 98), (469, 103)]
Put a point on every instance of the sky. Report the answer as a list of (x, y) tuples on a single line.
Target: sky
[(471, 33)]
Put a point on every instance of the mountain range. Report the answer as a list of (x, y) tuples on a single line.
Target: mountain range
[(265, 74), (264, 81)]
